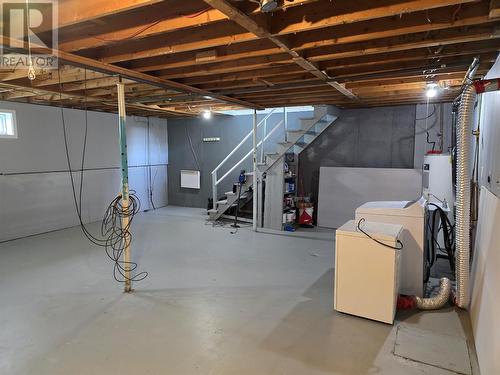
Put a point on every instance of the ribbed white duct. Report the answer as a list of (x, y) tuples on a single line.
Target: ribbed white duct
[(462, 222)]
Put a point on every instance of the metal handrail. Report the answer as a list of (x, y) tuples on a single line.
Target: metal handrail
[(243, 141), (216, 181), (249, 153)]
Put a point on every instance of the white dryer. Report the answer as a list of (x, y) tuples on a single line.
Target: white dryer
[(411, 215)]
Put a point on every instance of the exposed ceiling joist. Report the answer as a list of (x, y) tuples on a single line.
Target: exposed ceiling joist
[(249, 24), (57, 95), (123, 72), (76, 11), (188, 56), (494, 8)]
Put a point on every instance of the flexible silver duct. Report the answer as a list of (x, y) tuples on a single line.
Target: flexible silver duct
[(439, 300), (462, 223), (463, 187)]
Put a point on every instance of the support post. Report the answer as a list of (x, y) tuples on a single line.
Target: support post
[(255, 177), (122, 129), (264, 133), (259, 201), (285, 122), (214, 189)]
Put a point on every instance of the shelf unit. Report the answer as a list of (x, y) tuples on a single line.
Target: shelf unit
[(290, 172)]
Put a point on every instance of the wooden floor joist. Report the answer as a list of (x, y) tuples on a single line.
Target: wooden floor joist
[(249, 24), (182, 57)]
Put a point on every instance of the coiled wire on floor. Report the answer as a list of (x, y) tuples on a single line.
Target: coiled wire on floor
[(118, 237)]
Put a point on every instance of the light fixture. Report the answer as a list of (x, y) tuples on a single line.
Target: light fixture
[(268, 5), (207, 114), (431, 90)]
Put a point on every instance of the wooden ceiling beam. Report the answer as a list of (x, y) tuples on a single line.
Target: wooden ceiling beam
[(249, 24), (71, 12), (494, 8), (410, 69), (422, 56), (240, 86), (310, 17), (405, 43), (356, 58), (125, 73), (253, 48), (58, 95), (204, 37), (164, 17), (251, 63), (404, 80), (228, 34), (343, 38), (424, 21), (269, 72), (440, 18)]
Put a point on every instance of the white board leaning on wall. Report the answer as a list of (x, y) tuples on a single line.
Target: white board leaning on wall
[(342, 190)]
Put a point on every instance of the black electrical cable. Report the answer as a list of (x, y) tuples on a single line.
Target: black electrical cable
[(84, 147), (428, 116), (151, 182), (427, 129), (235, 225), (115, 237), (448, 236), (377, 241), (427, 139), (195, 157)]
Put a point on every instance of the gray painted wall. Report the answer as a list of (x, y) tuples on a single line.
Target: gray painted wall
[(373, 138), (231, 130), (431, 118), (35, 190)]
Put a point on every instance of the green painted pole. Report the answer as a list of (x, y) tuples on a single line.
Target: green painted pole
[(122, 129)]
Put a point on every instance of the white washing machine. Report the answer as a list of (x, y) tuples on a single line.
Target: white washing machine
[(411, 215)]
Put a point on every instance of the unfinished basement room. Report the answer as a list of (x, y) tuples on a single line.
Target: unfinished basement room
[(250, 187)]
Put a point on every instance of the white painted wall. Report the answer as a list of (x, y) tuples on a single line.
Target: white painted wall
[(35, 190), (485, 280)]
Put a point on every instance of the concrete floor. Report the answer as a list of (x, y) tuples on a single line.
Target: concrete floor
[(214, 303)]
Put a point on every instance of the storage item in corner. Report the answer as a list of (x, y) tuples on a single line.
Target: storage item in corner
[(366, 272), (190, 179), (411, 215)]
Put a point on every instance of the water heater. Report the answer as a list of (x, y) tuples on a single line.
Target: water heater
[(437, 179)]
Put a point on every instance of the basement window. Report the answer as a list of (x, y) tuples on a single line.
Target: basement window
[(8, 127)]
